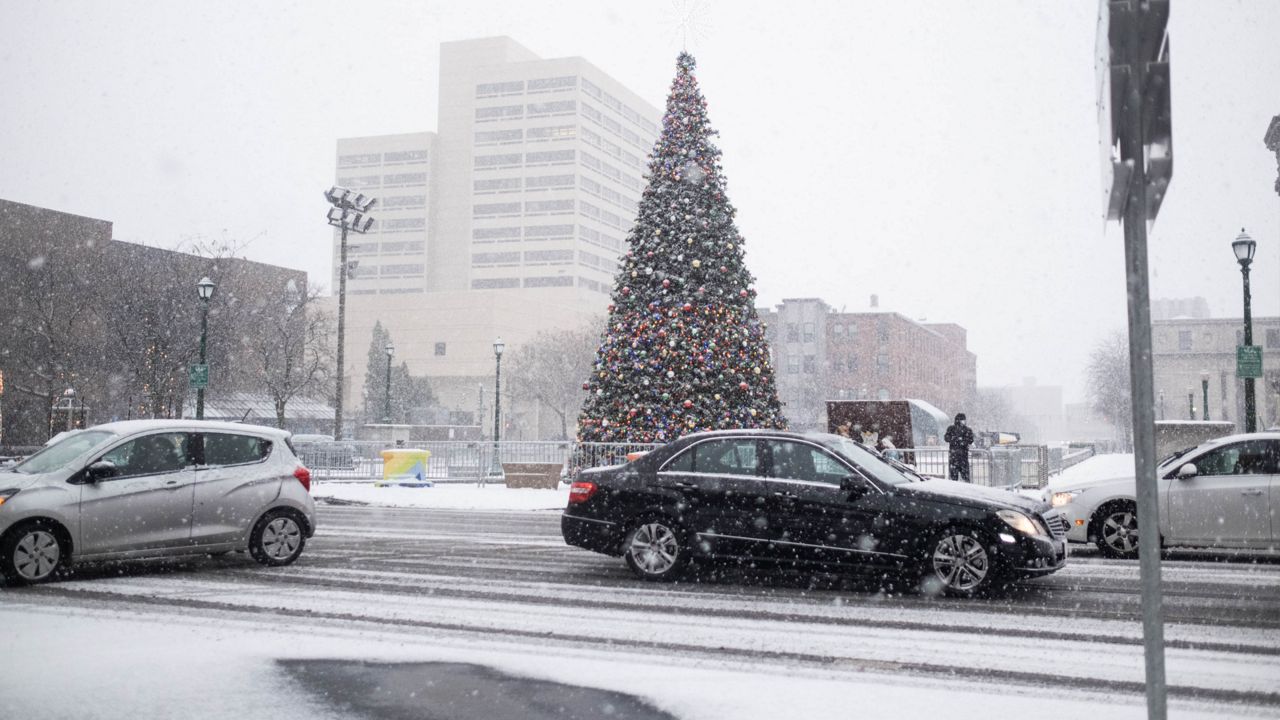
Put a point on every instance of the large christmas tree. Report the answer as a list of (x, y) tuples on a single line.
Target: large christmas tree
[(684, 350)]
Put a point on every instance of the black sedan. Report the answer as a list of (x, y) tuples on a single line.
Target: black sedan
[(762, 497)]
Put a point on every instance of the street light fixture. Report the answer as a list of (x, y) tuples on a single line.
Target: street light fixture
[(498, 347), (386, 416), (1204, 387), (347, 214), (1244, 247), (204, 289)]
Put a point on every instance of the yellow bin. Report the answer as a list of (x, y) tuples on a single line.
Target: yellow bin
[(405, 467)]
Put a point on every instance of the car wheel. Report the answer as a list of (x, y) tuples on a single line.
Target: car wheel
[(30, 553), (656, 549), (277, 539), (959, 564), (1116, 529)]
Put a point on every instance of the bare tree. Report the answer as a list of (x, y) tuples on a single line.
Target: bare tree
[(292, 353), (1108, 383), (550, 370)]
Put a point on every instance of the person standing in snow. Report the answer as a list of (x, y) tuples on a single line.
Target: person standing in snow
[(959, 437)]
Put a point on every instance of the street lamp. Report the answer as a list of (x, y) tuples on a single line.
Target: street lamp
[(204, 289), (386, 417), (1244, 246), (1204, 387), (498, 347), (348, 213)]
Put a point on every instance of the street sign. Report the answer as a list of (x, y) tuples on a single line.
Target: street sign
[(1249, 361), (198, 376)]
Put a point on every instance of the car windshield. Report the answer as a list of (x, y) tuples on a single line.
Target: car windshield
[(57, 455), (867, 460)]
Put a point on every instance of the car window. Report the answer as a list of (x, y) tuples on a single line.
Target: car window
[(866, 460), (229, 449), (681, 463), (727, 457), (151, 455), (791, 460), (1252, 457), (57, 455)]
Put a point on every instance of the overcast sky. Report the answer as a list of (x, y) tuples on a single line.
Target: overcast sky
[(943, 155)]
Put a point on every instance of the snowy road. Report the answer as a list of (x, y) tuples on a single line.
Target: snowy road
[(418, 584)]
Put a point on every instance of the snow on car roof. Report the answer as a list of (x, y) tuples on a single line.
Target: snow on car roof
[(129, 427)]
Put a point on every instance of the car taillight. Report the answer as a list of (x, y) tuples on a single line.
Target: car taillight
[(304, 477), (581, 492)]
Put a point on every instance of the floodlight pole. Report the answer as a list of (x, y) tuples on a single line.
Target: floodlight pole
[(342, 327)]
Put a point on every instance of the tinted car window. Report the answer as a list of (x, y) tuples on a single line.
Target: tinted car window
[(798, 461), (681, 463), (1246, 458), (866, 460), (151, 454), (228, 449), (728, 457)]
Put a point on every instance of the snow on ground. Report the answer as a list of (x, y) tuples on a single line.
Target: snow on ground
[(445, 496), (115, 664)]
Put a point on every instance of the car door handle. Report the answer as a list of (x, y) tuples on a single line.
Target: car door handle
[(172, 485), (686, 485), (1255, 493), (785, 495)]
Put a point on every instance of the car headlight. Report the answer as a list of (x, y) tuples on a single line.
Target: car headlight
[(6, 494), (1062, 498), (1019, 522)]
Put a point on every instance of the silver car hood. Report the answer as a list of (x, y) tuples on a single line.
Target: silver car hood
[(20, 481)]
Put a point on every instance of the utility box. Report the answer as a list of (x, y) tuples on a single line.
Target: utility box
[(405, 467)]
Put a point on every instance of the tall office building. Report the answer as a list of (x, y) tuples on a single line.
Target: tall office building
[(508, 220)]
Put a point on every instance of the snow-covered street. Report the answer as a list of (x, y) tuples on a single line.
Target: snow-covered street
[(501, 590)]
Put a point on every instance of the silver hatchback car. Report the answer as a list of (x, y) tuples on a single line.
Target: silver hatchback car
[(154, 488)]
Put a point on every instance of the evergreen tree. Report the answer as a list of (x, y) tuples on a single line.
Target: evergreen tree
[(375, 375), (684, 350)]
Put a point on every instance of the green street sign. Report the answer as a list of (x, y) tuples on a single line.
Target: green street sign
[(1249, 361), (198, 376)]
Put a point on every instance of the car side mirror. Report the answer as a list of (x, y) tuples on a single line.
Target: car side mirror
[(99, 471), (1188, 471)]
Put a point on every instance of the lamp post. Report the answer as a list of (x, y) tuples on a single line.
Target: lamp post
[(498, 347), (386, 412), (204, 289), (1161, 404), (348, 213), (1191, 404), (1204, 387), (1244, 246)]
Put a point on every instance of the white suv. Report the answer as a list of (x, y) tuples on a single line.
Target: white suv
[(153, 488), (1224, 493)]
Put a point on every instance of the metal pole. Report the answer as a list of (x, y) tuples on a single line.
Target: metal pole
[(204, 331), (1191, 405), (342, 325), (1250, 402), (1140, 381), (387, 411), (497, 414), (1204, 386)]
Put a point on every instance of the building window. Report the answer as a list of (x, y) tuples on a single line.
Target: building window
[(547, 232), (405, 270), (502, 112), (837, 329), (363, 181), (504, 160), (552, 281), (549, 156), (552, 108), (499, 136), (351, 160), (483, 209), (810, 364), (556, 257), (406, 156), (495, 258), (793, 365), (882, 361), (497, 185), (555, 132), (809, 330), (403, 202), (511, 87), (440, 349), (404, 179), (403, 224), (548, 206), (495, 283), (548, 181), (1184, 340), (1273, 337), (793, 332), (555, 83), (495, 233)]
